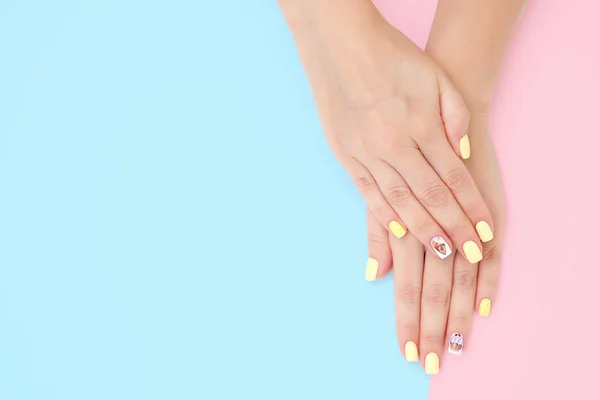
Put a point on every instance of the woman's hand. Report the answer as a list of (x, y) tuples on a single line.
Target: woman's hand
[(394, 121), (433, 302)]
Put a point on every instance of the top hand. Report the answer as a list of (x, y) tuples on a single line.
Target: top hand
[(394, 121)]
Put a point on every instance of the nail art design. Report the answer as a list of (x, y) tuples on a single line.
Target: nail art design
[(456, 343), (441, 247)]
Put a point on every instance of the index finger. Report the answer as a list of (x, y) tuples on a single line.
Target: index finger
[(457, 178)]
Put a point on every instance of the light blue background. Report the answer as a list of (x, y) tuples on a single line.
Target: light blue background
[(172, 223)]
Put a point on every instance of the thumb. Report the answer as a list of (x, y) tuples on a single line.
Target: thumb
[(455, 115)]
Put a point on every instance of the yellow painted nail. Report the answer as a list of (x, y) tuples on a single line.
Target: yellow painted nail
[(484, 231), (472, 252), (465, 147), (372, 269), (397, 229), (432, 364), (411, 352), (485, 307)]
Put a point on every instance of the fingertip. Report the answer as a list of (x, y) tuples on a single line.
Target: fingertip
[(465, 147), (484, 231), (372, 270), (411, 352), (472, 252), (485, 307), (398, 230)]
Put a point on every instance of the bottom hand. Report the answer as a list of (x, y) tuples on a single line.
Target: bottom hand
[(435, 298)]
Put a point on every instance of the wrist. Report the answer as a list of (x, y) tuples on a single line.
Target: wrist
[(330, 23)]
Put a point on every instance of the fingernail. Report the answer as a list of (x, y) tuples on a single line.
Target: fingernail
[(411, 352), (485, 307), (465, 147), (456, 343), (372, 269), (472, 252), (397, 229), (432, 364), (484, 231), (441, 247)]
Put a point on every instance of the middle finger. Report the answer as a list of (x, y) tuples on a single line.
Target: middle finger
[(437, 198)]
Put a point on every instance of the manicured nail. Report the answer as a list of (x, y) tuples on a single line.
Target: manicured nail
[(372, 269), (485, 307), (465, 147), (441, 247), (411, 352), (432, 364), (456, 343), (472, 252), (397, 229), (484, 231)]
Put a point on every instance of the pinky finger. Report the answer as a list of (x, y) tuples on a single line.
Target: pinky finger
[(380, 254), (488, 278)]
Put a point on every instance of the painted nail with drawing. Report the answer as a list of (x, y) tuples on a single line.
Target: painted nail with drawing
[(456, 344), (441, 247)]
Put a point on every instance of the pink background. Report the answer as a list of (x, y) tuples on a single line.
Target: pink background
[(542, 338)]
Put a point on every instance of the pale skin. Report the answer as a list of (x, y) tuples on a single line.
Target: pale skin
[(394, 116), (393, 119), (468, 39)]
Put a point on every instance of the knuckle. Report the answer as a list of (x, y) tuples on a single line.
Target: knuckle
[(491, 253), (374, 238), (462, 321), (405, 329), (435, 195), (425, 228), (380, 210), (460, 230), (409, 293), (399, 196), (365, 183), (431, 341), (465, 280), (436, 296), (457, 180)]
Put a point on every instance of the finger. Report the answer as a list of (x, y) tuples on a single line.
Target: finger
[(464, 283), (376, 202), (488, 277), (408, 256), (455, 116), (435, 299), (455, 175), (380, 254), (412, 212), (437, 199)]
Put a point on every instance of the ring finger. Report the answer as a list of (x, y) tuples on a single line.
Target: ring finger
[(435, 301), (464, 284), (440, 203)]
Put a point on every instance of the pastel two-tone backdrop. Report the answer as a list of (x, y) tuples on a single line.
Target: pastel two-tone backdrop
[(173, 225)]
